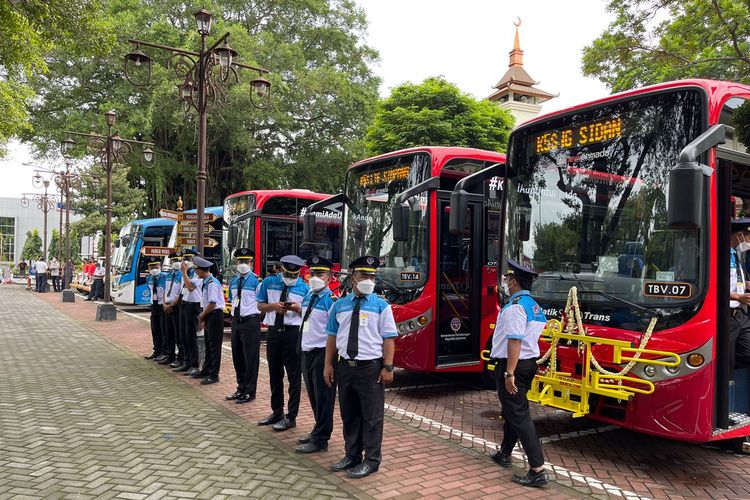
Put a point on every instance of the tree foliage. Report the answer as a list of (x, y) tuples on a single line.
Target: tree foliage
[(323, 97), (652, 41), (32, 29), (32, 247), (437, 113), (57, 246)]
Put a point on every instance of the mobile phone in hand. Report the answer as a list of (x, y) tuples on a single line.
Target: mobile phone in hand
[(287, 304)]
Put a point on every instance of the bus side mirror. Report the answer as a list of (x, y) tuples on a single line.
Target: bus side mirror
[(524, 229), (308, 227), (684, 206), (117, 243), (233, 235), (457, 217), (400, 218)]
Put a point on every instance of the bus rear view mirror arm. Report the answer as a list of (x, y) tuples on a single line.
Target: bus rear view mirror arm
[(687, 180), (400, 212), (460, 195)]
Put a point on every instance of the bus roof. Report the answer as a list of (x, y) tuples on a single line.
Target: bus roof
[(440, 155), (716, 90), (153, 222), (209, 210), (261, 195)]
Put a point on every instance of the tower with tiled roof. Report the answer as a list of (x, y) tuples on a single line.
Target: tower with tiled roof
[(516, 91)]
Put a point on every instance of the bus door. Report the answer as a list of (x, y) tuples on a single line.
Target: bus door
[(459, 286), (279, 239)]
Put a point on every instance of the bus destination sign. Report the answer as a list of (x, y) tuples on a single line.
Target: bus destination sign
[(380, 177), (579, 135)]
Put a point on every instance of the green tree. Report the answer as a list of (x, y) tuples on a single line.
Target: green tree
[(53, 249), (32, 247), (31, 30), (323, 97), (652, 41), (436, 113)]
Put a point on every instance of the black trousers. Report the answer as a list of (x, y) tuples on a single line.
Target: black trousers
[(282, 353), (322, 397), (171, 331), (179, 337), (56, 283), (361, 400), (246, 352), (739, 338), (213, 335), (41, 283), (189, 332), (97, 289), (157, 327), (518, 425)]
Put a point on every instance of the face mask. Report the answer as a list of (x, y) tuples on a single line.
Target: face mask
[(176, 266), (366, 287), (190, 264), (154, 272), (317, 283), (243, 268), (504, 288), (290, 281), (744, 246)]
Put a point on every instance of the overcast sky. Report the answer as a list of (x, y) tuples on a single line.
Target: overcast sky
[(467, 42)]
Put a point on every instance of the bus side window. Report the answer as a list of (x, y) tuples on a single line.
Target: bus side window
[(493, 236)]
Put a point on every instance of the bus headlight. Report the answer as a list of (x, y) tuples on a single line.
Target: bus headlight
[(695, 360), (423, 320), (673, 369), (649, 370)]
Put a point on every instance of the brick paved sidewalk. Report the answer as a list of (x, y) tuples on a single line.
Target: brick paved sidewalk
[(80, 417), (416, 463)]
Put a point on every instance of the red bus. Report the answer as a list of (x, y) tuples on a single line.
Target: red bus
[(610, 198), (442, 287), (270, 223)]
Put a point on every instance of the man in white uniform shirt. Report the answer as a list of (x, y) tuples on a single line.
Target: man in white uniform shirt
[(211, 320), (40, 269), (190, 309)]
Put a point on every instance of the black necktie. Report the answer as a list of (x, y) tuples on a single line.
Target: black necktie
[(239, 296), (279, 322), (352, 343), (155, 297), (313, 301), (171, 283)]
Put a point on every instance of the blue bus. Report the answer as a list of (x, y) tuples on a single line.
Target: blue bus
[(129, 269)]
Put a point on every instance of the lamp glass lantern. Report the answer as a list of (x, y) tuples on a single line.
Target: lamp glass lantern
[(111, 117), (148, 155), (203, 20), (66, 146), (116, 143), (261, 86), (226, 54)]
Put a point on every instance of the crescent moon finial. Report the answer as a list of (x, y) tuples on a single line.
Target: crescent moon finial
[(517, 22)]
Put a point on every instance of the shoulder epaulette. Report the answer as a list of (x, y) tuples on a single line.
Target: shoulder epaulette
[(517, 300)]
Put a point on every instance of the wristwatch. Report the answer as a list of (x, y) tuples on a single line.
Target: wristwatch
[(390, 368), (509, 375)]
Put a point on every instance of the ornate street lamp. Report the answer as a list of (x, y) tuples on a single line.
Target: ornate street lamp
[(200, 87)]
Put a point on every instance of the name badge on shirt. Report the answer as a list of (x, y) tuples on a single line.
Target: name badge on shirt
[(362, 319)]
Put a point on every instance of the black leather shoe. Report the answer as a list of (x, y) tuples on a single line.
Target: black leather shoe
[(271, 419), (209, 380), (345, 463), (153, 355), (304, 439), (181, 368), (160, 357), (165, 361), (284, 424), (311, 447), (175, 364), (191, 371), (246, 398), (362, 470), (234, 395), (535, 479), (501, 459), (199, 374)]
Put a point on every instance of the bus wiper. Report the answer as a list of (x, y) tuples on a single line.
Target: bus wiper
[(646, 310)]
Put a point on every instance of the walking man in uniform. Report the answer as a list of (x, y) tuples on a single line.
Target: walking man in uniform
[(156, 281), (211, 320), (322, 397), (739, 298), (515, 349), (280, 297), (245, 327), (191, 308), (361, 333), (172, 285)]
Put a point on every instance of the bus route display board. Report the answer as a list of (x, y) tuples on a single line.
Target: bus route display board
[(577, 135), (384, 176)]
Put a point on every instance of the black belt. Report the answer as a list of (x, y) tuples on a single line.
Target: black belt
[(735, 311), (285, 328), (249, 316), (359, 362)]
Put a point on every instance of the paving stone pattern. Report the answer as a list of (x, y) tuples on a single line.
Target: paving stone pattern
[(82, 418)]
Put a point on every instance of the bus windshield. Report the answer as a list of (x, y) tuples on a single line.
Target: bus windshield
[(234, 208), (586, 197), (371, 192), (129, 239)]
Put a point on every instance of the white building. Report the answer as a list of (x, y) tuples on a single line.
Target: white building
[(16, 220)]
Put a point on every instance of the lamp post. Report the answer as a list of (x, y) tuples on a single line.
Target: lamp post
[(111, 149), (44, 202), (63, 180), (203, 75)]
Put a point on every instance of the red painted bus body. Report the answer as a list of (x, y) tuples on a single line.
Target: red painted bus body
[(609, 232)]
